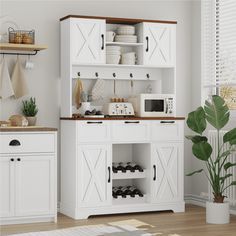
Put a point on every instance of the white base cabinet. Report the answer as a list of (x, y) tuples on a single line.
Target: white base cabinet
[(86, 166), (28, 180)]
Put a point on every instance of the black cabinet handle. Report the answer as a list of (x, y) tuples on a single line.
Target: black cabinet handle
[(94, 122), (147, 44), (18, 159), (167, 122), (132, 122), (155, 172), (102, 41), (109, 174), (12, 159), (14, 142)]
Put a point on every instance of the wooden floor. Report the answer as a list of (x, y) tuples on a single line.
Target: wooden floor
[(190, 223)]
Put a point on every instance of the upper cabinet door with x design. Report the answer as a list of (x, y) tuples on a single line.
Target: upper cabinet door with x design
[(88, 41), (159, 44), (94, 175), (167, 179)]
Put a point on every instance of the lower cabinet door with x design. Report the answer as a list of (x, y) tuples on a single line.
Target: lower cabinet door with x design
[(167, 172), (94, 175)]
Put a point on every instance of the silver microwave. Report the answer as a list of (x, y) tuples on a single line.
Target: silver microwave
[(154, 105)]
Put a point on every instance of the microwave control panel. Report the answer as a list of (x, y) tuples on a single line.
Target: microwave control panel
[(170, 106)]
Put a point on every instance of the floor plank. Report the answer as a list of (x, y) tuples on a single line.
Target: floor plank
[(190, 223)]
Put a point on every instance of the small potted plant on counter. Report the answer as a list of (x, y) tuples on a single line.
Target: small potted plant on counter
[(216, 113), (30, 111)]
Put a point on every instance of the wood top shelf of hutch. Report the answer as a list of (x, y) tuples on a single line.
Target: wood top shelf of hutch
[(22, 47), (114, 20)]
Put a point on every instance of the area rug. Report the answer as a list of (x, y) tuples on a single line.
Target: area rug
[(120, 228)]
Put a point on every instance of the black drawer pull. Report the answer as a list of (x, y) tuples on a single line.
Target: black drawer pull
[(18, 159), (167, 122), (12, 159), (94, 122), (109, 174), (14, 142), (155, 172), (132, 122)]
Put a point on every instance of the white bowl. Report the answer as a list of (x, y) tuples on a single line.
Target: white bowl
[(126, 30)]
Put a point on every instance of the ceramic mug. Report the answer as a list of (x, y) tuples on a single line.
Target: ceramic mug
[(110, 35), (129, 58)]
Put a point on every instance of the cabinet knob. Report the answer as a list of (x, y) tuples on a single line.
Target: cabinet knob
[(14, 142), (18, 159), (12, 159)]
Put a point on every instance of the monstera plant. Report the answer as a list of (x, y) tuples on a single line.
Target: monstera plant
[(216, 113)]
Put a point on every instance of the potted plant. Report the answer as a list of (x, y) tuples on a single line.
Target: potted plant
[(30, 110), (216, 113)]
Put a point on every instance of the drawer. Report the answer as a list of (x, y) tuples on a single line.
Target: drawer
[(130, 131), (93, 131), (27, 143), (167, 130)]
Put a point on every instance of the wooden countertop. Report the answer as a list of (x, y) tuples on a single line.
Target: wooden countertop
[(124, 118), (26, 129)]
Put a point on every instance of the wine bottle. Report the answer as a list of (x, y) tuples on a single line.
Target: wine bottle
[(126, 190), (114, 169), (118, 192), (136, 191), (121, 167), (133, 166)]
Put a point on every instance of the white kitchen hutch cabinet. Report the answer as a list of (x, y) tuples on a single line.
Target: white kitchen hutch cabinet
[(28, 183), (90, 145)]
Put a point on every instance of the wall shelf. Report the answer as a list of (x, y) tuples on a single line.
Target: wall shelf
[(129, 175), (17, 49)]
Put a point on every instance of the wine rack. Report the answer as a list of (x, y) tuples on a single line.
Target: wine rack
[(129, 175)]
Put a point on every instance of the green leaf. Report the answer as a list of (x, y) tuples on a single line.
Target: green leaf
[(230, 136), (228, 165), (196, 138), (224, 154), (217, 112), (195, 172), (222, 179), (202, 150), (233, 183), (196, 120)]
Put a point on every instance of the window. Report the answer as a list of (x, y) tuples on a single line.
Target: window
[(219, 49)]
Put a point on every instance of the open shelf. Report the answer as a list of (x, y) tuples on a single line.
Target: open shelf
[(129, 175), (124, 44), (22, 47), (129, 200)]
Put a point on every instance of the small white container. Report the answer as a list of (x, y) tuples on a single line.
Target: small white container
[(110, 35), (217, 213)]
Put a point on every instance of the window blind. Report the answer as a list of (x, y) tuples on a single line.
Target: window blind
[(219, 43)]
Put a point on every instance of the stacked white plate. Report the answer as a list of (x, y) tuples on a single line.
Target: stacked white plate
[(112, 54), (125, 34)]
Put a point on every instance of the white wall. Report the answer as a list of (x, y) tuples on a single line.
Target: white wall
[(44, 81)]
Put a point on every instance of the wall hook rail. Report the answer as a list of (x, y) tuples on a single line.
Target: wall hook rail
[(19, 53)]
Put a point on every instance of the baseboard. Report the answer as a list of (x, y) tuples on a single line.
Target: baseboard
[(201, 201)]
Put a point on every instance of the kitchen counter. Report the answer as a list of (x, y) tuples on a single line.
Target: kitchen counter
[(124, 118), (26, 129)]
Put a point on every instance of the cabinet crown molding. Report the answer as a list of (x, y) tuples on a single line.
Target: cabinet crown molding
[(115, 20)]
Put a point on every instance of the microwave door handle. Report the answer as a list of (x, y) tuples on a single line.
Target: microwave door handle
[(167, 108)]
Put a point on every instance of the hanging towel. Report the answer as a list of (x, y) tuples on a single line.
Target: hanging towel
[(18, 80), (78, 89), (6, 89), (98, 89)]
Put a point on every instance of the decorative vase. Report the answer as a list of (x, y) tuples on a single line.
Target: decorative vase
[(31, 120), (217, 213)]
